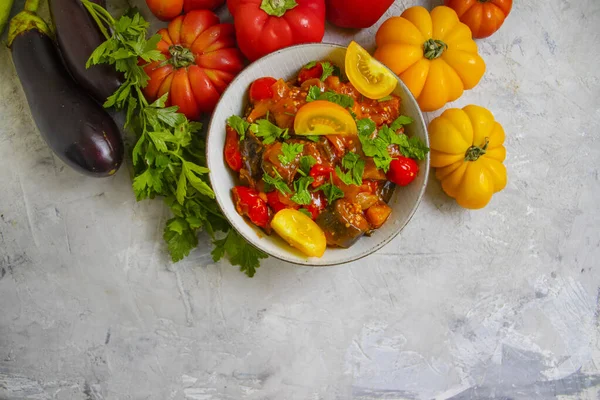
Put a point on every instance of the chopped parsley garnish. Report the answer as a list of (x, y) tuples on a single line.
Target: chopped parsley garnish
[(310, 65), (377, 147), (306, 163), (239, 125), (313, 138), (354, 166), (302, 195), (328, 70), (269, 132), (289, 151), (314, 93), (386, 98), (331, 191), (305, 212), (276, 182)]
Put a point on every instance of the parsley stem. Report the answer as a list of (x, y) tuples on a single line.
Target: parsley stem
[(101, 16)]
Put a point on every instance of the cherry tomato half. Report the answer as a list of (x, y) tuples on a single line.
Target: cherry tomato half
[(370, 77), (261, 89), (403, 170), (323, 117), (320, 173)]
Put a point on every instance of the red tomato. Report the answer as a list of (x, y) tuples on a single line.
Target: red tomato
[(403, 170), (310, 73), (166, 10), (482, 17), (356, 13), (201, 61), (317, 204), (274, 202), (232, 153), (261, 89), (263, 26), (248, 202), (320, 173)]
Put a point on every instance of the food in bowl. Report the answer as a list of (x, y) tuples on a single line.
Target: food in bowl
[(316, 160)]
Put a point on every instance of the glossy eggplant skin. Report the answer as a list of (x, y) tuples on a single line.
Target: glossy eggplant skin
[(73, 125), (78, 36)]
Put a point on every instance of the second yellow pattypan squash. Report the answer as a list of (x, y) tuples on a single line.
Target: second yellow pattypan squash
[(467, 148), (433, 53)]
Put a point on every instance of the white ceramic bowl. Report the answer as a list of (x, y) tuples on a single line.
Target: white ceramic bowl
[(285, 64)]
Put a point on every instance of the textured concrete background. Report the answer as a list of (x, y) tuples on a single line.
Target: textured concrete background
[(501, 303)]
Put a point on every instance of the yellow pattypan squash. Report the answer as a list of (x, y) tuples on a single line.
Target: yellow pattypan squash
[(434, 54), (467, 148)]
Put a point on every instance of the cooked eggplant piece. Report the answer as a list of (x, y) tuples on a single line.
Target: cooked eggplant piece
[(386, 190), (252, 151), (343, 223)]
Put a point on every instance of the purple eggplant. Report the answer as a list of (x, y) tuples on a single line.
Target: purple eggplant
[(73, 125), (78, 36)]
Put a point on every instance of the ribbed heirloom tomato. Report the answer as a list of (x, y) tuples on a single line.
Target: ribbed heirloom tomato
[(166, 10), (483, 17), (201, 60)]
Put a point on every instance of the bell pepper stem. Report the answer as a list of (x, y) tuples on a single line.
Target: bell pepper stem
[(277, 8), (27, 20)]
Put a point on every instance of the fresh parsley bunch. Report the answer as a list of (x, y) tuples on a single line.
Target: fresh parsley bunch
[(168, 157)]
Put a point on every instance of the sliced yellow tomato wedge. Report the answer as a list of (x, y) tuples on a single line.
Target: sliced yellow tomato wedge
[(370, 77), (323, 117), (300, 232)]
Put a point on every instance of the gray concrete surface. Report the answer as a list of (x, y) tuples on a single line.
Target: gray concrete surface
[(501, 303)]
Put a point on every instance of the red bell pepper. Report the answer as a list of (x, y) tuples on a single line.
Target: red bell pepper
[(232, 153), (356, 13), (264, 26), (261, 89), (248, 202)]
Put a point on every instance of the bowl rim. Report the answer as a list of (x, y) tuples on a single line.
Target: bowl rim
[(374, 248)]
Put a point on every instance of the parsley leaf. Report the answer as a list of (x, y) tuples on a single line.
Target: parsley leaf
[(365, 126), (239, 252), (331, 191), (239, 125), (314, 93), (289, 151), (305, 212), (355, 167), (269, 132), (400, 121), (302, 195), (306, 163), (310, 65), (327, 70), (276, 182), (313, 138), (386, 98)]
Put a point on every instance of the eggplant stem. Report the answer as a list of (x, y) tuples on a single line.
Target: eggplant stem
[(31, 5)]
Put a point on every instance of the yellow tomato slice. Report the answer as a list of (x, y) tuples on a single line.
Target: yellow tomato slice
[(370, 77), (300, 232), (323, 117)]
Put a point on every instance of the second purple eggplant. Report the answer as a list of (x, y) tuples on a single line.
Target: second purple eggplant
[(78, 36)]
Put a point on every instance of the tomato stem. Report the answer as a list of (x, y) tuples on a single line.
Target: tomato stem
[(181, 57), (434, 48), (474, 152), (277, 8)]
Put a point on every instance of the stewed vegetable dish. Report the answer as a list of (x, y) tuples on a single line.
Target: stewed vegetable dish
[(318, 161)]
